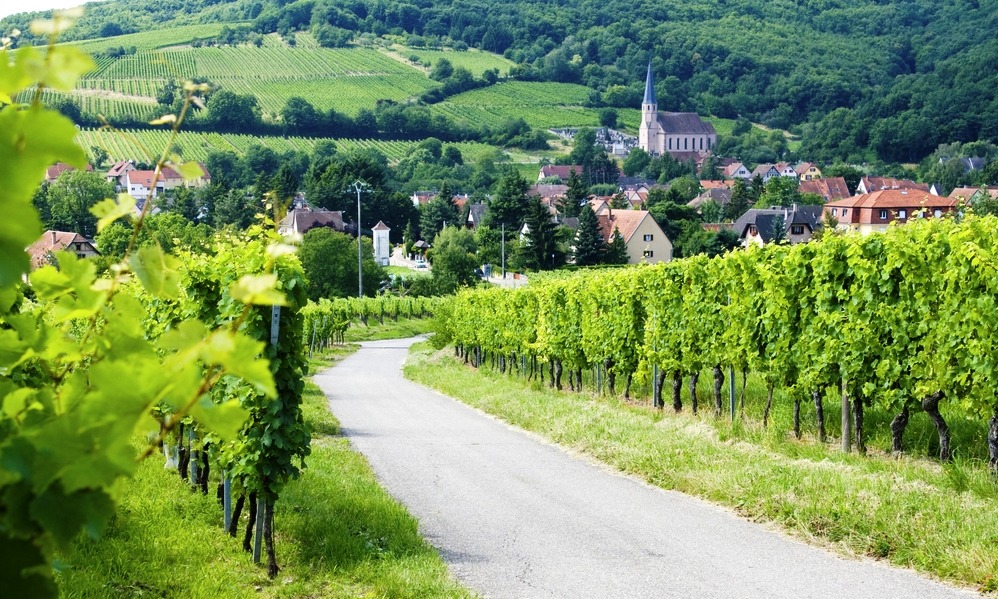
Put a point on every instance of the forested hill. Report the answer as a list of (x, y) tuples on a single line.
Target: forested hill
[(853, 76)]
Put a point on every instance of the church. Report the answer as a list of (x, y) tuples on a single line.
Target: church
[(684, 135)]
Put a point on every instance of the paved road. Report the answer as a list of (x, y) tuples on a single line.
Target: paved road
[(516, 517)]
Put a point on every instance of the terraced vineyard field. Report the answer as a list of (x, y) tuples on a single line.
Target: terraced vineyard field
[(346, 79), (141, 145), (543, 105), (476, 61)]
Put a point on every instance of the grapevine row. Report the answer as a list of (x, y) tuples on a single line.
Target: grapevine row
[(902, 321)]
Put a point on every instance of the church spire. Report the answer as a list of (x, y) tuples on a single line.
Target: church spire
[(649, 88)]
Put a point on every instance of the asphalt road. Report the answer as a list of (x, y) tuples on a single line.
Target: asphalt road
[(514, 516)]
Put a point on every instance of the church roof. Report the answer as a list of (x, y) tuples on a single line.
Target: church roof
[(684, 123), (649, 87)]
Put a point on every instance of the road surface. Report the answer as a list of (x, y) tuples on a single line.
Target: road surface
[(516, 517)]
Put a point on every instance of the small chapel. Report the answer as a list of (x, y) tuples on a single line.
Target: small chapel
[(684, 135)]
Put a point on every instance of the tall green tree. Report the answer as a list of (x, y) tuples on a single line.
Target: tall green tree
[(508, 204), (539, 249), (590, 247), (454, 260), (576, 194), (741, 201), (616, 250), (437, 213)]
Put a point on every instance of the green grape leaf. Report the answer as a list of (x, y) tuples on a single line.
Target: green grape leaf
[(157, 271), (224, 419), (189, 170), (17, 74), (260, 290), (49, 283), (66, 65), (64, 515), (109, 210), (24, 569), (240, 356)]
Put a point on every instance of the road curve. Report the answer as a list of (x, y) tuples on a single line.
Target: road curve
[(516, 517)]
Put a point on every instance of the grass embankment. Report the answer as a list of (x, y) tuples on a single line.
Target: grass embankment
[(374, 331), (941, 520), (338, 534)]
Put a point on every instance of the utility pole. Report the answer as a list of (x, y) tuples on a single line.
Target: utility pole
[(359, 186), (502, 244)]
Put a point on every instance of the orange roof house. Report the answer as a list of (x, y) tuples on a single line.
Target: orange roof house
[(53, 241), (873, 212)]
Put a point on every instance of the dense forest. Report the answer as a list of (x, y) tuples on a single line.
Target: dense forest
[(858, 79)]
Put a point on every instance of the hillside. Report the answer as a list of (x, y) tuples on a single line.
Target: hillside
[(859, 79)]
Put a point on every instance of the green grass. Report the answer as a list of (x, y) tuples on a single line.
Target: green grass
[(909, 510), (337, 534), (375, 331)]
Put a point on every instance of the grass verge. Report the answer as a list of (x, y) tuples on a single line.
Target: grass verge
[(337, 533), (913, 512)]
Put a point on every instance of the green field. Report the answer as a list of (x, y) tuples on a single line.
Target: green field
[(476, 61), (542, 105), (144, 145)]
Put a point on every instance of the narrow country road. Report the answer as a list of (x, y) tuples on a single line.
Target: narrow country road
[(516, 517)]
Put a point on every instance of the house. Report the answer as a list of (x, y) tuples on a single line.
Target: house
[(724, 184), (765, 171), (873, 212), (54, 241), (759, 226), (476, 215), (678, 133), (562, 171), (421, 198), (52, 173), (872, 184), (300, 220), (139, 184), (807, 171), (116, 174), (830, 189), (646, 242), (736, 170), (973, 194), (599, 205), (548, 192), (786, 170), (719, 195)]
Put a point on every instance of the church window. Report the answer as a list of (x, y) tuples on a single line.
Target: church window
[(670, 143), (686, 143)]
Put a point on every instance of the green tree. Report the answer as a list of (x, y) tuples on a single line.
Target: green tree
[(637, 161), (454, 260), (329, 259), (576, 194), (508, 204), (300, 117), (539, 249), (437, 213), (741, 201), (780, 191), (442, 69), (850, 173), (72, 196), (616, 250), (233, 112), (590, 247)]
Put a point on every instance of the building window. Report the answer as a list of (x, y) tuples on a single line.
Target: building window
[(649, 237), (752, 230), (670, 143), (648, 253), (883, 215), (845, 212), (686, 143), (902, 214), (938, 213), (835, 212), (796, 229)]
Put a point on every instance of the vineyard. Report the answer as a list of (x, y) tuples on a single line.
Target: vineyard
[(897, 326), (142, 144), (152, 40), (476, 61), (542, 105), (326, 321)]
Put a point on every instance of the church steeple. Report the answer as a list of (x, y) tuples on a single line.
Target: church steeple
[(649, 132), (650, 89)]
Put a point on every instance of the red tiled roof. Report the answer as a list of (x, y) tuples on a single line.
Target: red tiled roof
[(726, 184), (561, 171), (52, 241), (871, 184), (831, 188), (626, 221)]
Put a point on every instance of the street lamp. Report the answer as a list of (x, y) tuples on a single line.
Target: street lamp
[(359, 186)]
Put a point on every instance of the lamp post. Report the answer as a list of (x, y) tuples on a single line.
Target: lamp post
[(359, 186)]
